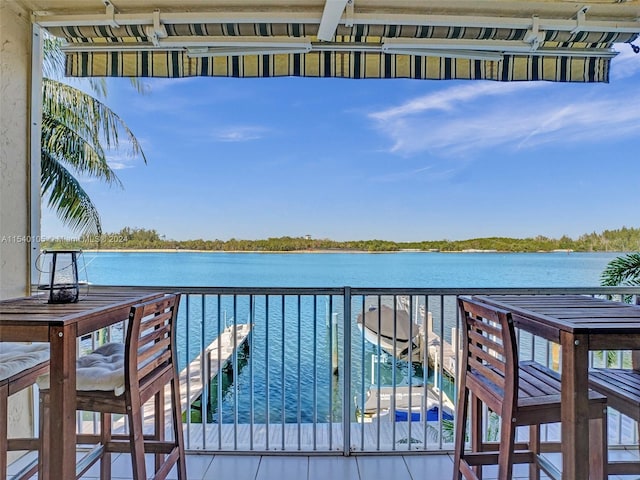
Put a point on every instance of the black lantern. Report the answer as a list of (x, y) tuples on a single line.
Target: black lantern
[(62, 269)]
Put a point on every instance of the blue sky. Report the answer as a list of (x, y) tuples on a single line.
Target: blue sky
[(400, 160)]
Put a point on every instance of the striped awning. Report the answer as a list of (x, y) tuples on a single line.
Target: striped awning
[(174, 50)]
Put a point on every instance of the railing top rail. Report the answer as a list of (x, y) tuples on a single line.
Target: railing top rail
[(203, 290)]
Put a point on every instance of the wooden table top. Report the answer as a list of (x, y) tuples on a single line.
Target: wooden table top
[(35, 312), (570, 313)]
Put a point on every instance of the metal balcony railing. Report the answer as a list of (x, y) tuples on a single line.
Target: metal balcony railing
[(333, 370)]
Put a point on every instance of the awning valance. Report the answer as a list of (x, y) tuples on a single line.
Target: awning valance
[(174, 50), (175, 64)]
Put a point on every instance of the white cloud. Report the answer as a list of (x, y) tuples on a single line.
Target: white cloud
[(586, 121), (121, 161), (157, 85), (459, 120), (239, 133), (447, 100), (119, 165)]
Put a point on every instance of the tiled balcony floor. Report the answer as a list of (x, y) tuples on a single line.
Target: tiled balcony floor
[(302, 467), (243, 467)]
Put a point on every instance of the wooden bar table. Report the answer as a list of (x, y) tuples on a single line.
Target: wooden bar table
[(579, 324), (32, 319)]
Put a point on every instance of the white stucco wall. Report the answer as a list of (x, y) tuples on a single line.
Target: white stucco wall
[(15, 91)]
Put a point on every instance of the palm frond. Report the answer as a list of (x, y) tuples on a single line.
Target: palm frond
[(139, 86), (77, 130), (65, 145), (611, 359), (67, 197), (88, 116), (53, 63), (52, 56), (622, 271)]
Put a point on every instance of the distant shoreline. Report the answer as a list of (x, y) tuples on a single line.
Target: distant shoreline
[(142, 240)]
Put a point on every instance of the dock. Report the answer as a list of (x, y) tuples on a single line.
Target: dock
[(449, 357), (220, 351), (191, 377)]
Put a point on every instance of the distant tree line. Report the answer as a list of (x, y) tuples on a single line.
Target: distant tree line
[(621, 240)]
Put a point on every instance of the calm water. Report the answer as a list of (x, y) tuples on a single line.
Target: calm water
[(348, 269), (273, 392)]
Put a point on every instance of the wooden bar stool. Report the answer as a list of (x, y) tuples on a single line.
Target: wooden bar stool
[(521, 393), (132, 374), (20, 366)]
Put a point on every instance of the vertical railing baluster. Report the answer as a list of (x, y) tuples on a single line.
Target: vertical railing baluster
[(251, 378), (456, 355), (440, 354), (549, 353), (410, 372), (330, 320), (299, 372), (619, 422), (425, 366), (219, 372), (315, 373), (283, 413), (266, 376), (206, 379), (234, 372), (394, 345), (346, 370), (378, 374), (210, 372), (363, 397), (188, 356)]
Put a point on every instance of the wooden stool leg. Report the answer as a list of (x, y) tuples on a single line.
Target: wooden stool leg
[(637, 413), (4, 397), (476, 430), (45, 436), (598, 446), (105, 438), (534, 446), (177, 426), (136, 440), (461, 429), (507, 447)]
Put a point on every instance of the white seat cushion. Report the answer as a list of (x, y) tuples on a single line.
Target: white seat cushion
[(17, 357), (102, 369)]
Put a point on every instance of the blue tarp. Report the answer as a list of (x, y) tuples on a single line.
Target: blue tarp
[(432, 415)]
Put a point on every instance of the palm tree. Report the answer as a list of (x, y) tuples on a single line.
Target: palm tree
[(77, 132), (622, 271)]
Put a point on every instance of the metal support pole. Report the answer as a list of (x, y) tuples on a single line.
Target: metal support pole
[(35, 122)]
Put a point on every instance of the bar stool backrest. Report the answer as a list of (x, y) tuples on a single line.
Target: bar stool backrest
[(150, 355), (490, 356)]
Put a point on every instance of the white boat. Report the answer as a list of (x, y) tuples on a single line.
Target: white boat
[(402, 403), (392, 329)]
